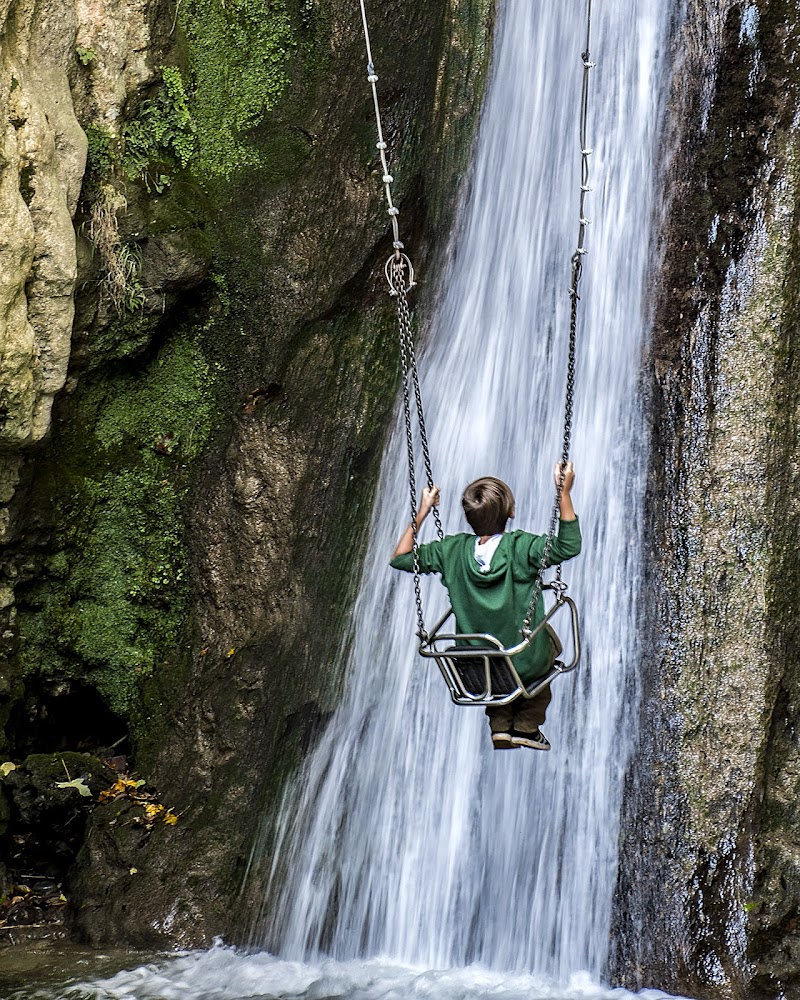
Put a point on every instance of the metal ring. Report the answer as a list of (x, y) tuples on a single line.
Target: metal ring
[(391, 263)]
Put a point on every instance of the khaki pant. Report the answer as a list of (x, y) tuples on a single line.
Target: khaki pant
[(525, 715)]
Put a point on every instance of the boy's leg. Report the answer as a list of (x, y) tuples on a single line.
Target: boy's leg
[(530, 713), (501, 717), (501, 721)]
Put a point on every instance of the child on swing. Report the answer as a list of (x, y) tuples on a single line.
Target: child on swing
[(490, 577)]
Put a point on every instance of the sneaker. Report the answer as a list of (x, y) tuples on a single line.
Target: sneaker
[(535, 740), (503, 741)]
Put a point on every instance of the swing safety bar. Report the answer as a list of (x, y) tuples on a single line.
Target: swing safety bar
[(486, 675)]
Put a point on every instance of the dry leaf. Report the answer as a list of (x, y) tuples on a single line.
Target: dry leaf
[(78, 783)]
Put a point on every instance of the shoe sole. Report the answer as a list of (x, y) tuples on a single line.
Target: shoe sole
[(520, 741), (503, 743)]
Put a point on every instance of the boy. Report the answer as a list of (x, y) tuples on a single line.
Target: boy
[(490, 576)]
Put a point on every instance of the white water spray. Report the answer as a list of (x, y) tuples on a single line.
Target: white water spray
[(407, 835)]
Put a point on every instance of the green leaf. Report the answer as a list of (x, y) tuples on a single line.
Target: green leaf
[(7, 768)]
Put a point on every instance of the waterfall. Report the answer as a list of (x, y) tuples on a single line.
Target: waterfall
[(406, 835)]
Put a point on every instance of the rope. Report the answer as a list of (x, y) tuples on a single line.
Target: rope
[(372, 79), (574, 292), (400, 276)]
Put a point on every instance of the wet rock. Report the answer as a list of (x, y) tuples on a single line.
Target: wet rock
[(709, 872), (176, 261), (49, 798), (120, 866)]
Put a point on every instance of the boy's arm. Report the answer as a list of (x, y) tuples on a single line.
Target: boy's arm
[(430, 498), (567, 543), (566, 511)]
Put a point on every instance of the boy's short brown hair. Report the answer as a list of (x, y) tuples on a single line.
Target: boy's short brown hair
[(488, 504)]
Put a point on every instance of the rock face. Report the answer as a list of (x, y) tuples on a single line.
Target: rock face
[(279, 513), (711, 844), (44, 149), (181, 549), (43, 155)]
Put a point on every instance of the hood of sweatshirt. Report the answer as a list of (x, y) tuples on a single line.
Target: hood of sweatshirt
[(500, 561)]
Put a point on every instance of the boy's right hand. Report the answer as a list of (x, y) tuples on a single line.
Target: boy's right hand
[(430, 498), (569, 476)]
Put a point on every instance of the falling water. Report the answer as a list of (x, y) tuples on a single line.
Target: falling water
[(407, 835)]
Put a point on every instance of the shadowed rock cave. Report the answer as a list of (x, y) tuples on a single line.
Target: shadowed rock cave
[(56, 715)]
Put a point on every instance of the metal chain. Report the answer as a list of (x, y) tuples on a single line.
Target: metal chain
[(402, 303), (577, 268), (406, 356)]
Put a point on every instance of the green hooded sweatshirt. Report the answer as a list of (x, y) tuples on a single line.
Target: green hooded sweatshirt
[(496, 602)]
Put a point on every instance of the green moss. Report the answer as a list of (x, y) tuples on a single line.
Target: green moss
[(113, 600), (283, 153), (162, 132), (169, 407), (85, 56), (124, 337), (221, 115), (239, 52)]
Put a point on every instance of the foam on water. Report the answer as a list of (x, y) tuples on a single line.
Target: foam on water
[(226, 974)]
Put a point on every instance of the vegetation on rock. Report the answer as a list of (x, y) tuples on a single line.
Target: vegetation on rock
[(113, 598)]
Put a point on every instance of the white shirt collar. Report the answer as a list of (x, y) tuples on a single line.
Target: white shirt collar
[(484, 551)]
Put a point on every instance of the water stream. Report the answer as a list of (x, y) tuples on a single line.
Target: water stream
[(408, 836), (408, 844)]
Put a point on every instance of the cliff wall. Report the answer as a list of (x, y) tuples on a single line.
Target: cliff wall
[(709, 887), (191, 204)]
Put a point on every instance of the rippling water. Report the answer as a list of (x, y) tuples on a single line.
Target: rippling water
[(226, 974)]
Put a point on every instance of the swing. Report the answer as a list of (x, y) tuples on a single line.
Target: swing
[(478, 670), (476, 667)]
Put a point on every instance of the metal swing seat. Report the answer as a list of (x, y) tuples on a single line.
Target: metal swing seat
[(479, 670)]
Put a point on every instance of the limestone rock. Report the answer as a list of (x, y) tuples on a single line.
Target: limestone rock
[(43, 155)]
